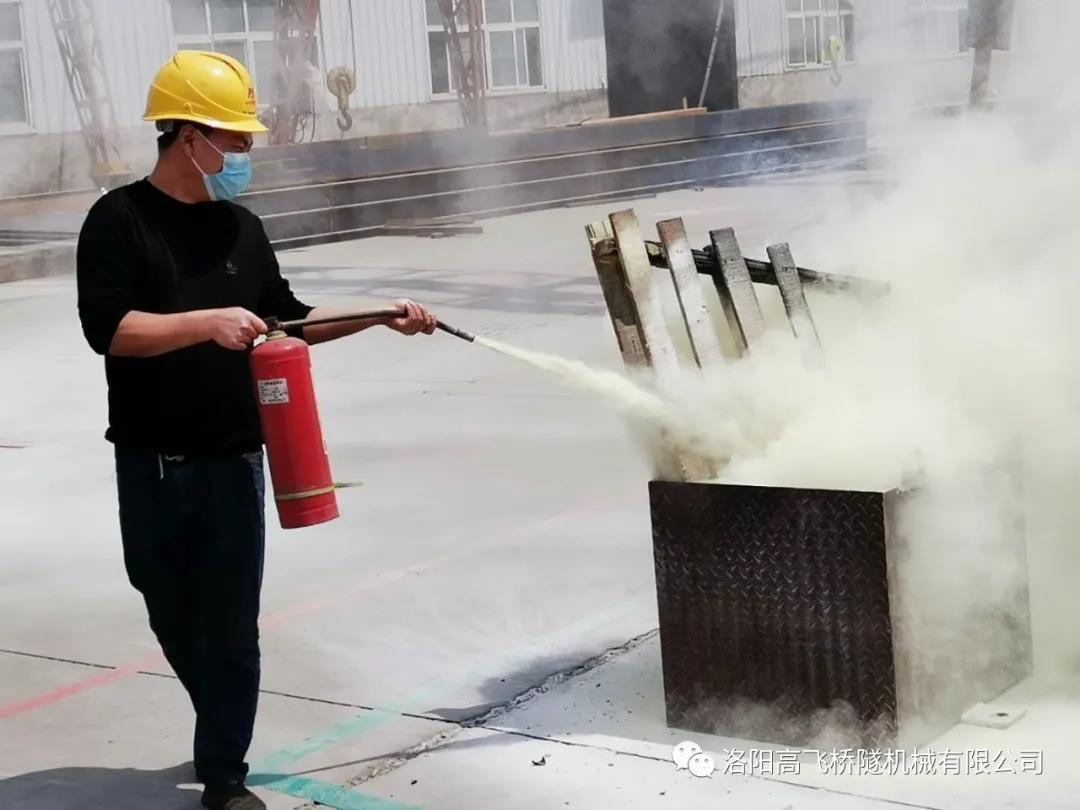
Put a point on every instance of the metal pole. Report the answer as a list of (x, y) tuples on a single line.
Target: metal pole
[(712, 51), (763, 273)]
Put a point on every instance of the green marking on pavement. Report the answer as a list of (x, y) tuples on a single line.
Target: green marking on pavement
[(325, 793), (352, 728)]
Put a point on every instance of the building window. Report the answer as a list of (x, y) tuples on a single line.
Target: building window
[(243, 29), (512, 31), (938, 27), (443, 71), (13, 92), (811, 24), (511, 40)]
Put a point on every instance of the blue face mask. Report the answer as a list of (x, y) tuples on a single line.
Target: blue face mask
[(234, 177)]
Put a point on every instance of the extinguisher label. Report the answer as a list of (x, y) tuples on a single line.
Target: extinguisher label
[(273, 392)]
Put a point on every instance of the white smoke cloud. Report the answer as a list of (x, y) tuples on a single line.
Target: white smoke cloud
[(968, 369)]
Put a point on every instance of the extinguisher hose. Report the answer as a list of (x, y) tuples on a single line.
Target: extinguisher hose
[(377, 315)]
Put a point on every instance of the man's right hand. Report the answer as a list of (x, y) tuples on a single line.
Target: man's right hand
[(144, 334), (234, 328)]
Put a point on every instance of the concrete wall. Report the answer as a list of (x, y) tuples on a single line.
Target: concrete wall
[(937, 81), (36, 164)]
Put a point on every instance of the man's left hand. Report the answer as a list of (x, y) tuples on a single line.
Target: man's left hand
[(414, 319)]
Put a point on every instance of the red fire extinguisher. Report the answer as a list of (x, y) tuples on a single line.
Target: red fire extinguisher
[(299, 465)]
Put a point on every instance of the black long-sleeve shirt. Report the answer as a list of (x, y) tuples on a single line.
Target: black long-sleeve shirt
[(142, 250)]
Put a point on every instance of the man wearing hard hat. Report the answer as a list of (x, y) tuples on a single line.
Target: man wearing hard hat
[(174, 284)]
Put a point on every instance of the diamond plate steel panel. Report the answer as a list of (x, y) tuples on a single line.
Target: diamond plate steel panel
[(809, 617), (777, 598)]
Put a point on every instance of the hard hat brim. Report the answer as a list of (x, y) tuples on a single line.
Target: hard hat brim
[(254, 126)]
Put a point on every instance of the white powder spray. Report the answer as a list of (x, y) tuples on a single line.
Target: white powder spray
[(739, 416), (609, 385)]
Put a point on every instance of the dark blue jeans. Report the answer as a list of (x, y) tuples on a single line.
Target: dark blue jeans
[(193, 546)]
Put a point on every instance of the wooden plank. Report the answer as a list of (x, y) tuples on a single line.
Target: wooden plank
[(628, 332), (654, 116), (639, 281), (736, 291), (798, 311), (638, 274), (684, 275), (620, 303)]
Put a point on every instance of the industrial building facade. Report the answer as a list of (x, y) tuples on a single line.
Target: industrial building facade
[(546, 62), (396, 48)]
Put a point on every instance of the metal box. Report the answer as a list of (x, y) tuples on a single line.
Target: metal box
[(803, 616)]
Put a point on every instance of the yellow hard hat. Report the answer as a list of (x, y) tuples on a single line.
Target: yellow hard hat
[(209, 88)]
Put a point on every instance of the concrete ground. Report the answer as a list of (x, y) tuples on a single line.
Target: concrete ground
[(477, 630)]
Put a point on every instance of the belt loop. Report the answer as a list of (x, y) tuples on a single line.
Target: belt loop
[(161, 467)]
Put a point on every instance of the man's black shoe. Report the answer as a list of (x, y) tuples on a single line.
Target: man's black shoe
[(231, 796)]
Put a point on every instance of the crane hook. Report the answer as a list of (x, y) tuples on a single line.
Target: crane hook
[(342, 83)]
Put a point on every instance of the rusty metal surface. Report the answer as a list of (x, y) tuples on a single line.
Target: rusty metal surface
[(777, 597)]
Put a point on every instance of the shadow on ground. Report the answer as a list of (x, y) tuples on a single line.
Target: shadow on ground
[(116, 788)]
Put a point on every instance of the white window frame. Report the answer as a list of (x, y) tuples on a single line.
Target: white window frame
[(247, 36), (27, 124), (488, 29), (826, 10), (943, 15), (516, 28)]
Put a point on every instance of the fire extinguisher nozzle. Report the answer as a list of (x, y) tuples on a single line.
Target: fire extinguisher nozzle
[(458, 333)]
